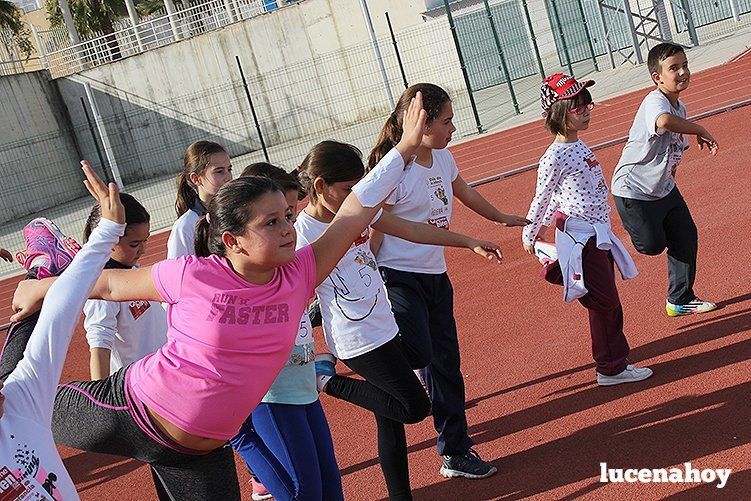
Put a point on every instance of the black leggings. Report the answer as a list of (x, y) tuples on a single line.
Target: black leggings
[(95, 416), (393, 393)]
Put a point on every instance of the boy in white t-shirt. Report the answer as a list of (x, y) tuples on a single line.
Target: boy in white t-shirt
[(646, 196)]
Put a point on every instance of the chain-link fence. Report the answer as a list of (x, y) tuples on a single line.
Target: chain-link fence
[(133, 118)]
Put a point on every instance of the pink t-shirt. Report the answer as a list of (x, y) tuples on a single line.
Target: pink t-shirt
[(227, 341)]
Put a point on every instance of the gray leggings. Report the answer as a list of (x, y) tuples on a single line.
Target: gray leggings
[(95, 416)]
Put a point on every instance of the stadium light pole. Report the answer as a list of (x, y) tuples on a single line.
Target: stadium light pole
[(377, 50)]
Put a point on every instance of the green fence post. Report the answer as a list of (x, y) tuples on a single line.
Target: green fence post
[(463, 66), (589, 38), (563, 38), (502, 57), (534, 39)]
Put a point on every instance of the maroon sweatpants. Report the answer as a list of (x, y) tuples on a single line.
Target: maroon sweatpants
[(609, 345)]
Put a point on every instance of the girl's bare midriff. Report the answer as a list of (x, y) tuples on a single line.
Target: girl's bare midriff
[(182, 437)]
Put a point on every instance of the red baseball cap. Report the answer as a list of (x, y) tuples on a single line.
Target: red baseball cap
[(559, 86)]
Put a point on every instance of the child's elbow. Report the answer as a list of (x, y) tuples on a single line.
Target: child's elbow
[(663, 121)]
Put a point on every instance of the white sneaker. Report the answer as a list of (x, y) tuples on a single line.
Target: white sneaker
[(691, 308), (630, 374)]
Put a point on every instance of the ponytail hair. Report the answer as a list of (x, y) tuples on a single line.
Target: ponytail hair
[(288, 181), (135, 213), (332, 161), (230, 210), (196, 160), (433, 99)]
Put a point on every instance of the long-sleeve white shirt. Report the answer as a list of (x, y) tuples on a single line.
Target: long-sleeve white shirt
[(569, 180), (30, 466)]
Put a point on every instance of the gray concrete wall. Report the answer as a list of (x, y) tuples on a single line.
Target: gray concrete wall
[(310, 67), (38, 155)]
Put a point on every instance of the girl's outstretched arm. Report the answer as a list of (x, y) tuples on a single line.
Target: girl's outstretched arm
[(472, 199), (423, 233), (368, 195), (113, 285)]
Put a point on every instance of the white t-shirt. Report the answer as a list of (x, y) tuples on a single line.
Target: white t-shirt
[(181, 241), (355, 308), (130, 329), (30, 466), (651, 155), (425, 195)]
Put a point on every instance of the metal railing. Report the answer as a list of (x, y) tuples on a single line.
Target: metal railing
[(147, 35)]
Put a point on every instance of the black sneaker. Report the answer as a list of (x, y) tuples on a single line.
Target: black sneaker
[(468, 465)]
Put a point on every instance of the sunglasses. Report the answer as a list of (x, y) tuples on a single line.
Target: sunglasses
[(581, 109)]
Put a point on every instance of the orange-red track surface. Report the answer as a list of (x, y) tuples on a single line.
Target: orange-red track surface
[(532, 404)]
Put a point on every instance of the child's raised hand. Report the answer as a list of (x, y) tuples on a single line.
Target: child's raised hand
[(488, 250), (108, 197), (707, 139), (413, 126), (5, 254)]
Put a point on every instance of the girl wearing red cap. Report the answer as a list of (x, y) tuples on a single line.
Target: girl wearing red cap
[(572, 194)]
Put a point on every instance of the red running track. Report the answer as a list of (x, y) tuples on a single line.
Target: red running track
[(533, 407)]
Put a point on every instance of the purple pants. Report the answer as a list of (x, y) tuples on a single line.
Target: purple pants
[(609, 346)]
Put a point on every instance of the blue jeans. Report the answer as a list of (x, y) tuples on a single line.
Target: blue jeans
[(289, 449)]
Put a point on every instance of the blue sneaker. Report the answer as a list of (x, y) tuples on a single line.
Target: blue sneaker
[(691, 308)]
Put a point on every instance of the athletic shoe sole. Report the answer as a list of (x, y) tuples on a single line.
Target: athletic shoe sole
[(446, 472)]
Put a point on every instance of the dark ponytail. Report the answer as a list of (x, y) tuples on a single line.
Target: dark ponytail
[(332, 161), (196, 160), (230, 210), (287, 180), (135, 213), (433, 99)]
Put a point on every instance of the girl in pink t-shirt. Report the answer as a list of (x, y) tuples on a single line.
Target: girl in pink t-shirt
[(233, 318)]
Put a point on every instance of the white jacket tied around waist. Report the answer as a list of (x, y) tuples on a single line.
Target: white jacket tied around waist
[(570, 243)]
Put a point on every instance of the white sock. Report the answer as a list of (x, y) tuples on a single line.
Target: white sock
[(321, 382)]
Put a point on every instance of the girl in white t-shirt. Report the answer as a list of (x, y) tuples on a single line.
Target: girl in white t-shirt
[(34, 353), (418, 287), (121, 333), (357, 321), (206, 168)]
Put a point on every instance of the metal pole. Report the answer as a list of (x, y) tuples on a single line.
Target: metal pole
[(563, 37), (606, 32), (74, 38), (462, 65), (662, 19), (103, 134), (534, 39), (632, 31), (690, 22), (504, 66), (253, 110), (589, 38), (40, 48), (396, 51), (170, 6), (133, 15), (377, 50), (96, 143), (735, 10), (230, 11)]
